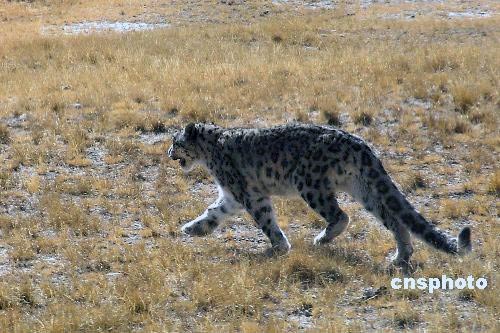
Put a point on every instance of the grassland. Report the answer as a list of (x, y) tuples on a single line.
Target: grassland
[(91, 207)]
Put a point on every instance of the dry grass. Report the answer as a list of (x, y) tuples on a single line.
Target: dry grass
[(90, 207), (4, 134)]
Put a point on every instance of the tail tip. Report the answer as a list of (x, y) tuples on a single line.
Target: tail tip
[(464, 241)]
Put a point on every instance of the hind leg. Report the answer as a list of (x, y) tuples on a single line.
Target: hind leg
[(404, 246), (261, 210), (402, 236), (325, 204), (401, 233)]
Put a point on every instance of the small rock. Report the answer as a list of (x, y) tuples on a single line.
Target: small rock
[(370, 293), (305, 310), (112, 275)]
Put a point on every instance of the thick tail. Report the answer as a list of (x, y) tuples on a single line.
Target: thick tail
[(464, 241), (433, 236), (392, 205)]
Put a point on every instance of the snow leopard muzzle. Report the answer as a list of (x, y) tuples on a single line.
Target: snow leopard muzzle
[(171, 154)]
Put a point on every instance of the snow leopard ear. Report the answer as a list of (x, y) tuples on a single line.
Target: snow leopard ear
[(174, 132), (191, 132)]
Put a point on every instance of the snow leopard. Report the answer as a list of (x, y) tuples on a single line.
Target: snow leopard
[(250, 165)]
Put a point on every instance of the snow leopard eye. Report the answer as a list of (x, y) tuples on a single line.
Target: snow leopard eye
[(177, 140)]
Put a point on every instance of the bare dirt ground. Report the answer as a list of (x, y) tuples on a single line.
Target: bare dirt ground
[(91, 207)]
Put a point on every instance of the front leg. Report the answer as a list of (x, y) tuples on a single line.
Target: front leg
[(261, 210), (207, 222)]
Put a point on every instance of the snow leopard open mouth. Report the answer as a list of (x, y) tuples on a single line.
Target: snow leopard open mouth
[(182, 161)]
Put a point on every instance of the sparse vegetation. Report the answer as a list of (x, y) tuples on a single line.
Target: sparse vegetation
[(494, 185), (90, 206), (405, 317), (4, 134), (363, 117)]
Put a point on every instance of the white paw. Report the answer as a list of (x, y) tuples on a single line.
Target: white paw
[(320, 239), (285, 246), (186, 228), (279, 249), (194, 228)]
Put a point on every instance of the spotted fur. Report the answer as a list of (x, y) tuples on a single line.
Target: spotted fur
[(315, 162)]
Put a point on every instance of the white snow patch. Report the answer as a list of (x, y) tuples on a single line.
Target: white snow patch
[(89, 27)]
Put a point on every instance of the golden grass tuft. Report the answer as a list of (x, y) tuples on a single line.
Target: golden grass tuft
[(331, 118), (494, 184), (23, 247), (33, 184), (364, 116), (4, 134), (414, 181), (7, 180), (464, 96), (405, 316), (61, 215), (6, 297)]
